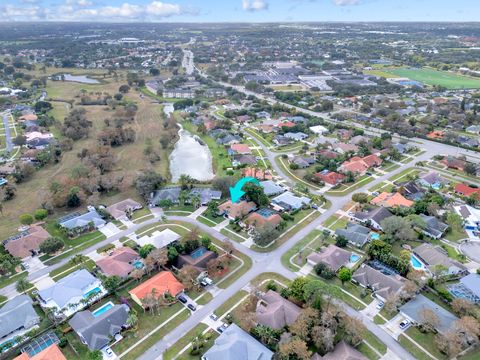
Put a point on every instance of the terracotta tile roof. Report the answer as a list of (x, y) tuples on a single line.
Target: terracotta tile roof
[(331, 178), (118, 263), (161, 283), (256, 220), (391, 200), (237, 210), (436, 135), (22, 246), (241, 149), (287, 124), (466, 190), (360, 165), (28, 117), (257, 173), (50, 353)]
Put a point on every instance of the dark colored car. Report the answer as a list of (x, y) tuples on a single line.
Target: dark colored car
[(191, 307), (182, 299)]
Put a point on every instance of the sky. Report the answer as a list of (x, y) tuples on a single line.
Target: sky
[(239, 10)]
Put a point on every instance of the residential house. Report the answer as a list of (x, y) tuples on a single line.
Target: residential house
[(242, 149), (328, 154), (302, 162), (123, 209), (79, 223), (318, 129), (332, 256), (330, 177), (356, 234), (360, 166), (289, 201), (234, 343), (286, 124), (414, 309), (275, 311), (257, 173), (17, 317), (67, 294), (433, 256), (381, 284), (391, 200), (262, 217), (237, 210), (431, 180), (473, 129), (436, 135), (38, 140), (52, 352), (97, 330), (467, 191), (243, 118), (159, 239), (358, 140), (433, 227), (411, 190), (162, 283), (271, 188), (28, 117), (121, 262), (27, 243), (239, 160), (468, 288), (401, 148), (298, 136), (470, 215), (343, 351), (178, 93), (281, 140), (372, 217), (228, 139), (343, 148), (197, 258), (171, 194), (206, 195), (452, 162)]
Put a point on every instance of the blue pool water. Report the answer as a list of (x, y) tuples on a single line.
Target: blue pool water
[(354, 258), (198, 252), (374, 236), (416, 264), (40, 347), (102, 309), (138, 264), (93, 291)]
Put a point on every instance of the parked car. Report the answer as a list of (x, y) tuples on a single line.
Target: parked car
[(108, 351), (222, 328), (206, 281), (380, 305), (191, 307), (404, 324), (214, 317), (182, 299)]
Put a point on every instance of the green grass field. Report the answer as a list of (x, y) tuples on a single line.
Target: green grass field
[(434, 77)]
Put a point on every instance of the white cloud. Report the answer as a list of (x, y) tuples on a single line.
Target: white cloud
[(254, 5), (346, 2), (85, 10)]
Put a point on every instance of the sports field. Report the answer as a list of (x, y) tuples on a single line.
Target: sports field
[(434, 77)]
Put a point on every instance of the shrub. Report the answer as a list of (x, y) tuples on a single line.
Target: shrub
[(40, 214), (271, 285), (105, 248), (26, 219), (324, 271)]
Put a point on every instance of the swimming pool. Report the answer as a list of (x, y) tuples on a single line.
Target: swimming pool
[(416, 264), (102, 309), (138, 264), (93, 291), (195, 254), (374, 236), (354, 258)]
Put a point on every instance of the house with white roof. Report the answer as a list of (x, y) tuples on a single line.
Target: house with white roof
[(71, 293), (159, 239), (289, 201)]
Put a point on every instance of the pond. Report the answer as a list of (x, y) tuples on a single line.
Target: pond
[(84, 79), (190, 157)]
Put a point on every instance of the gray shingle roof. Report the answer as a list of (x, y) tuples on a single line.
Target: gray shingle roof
[(271, 188), (236, 344), (275, 311), (97, 331), (16, 314), (383, 285), (413, 309), (171, 194), (354, 233), (83, 220), (72, 285)]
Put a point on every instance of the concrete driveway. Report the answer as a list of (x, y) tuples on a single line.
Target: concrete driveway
[(34, 264), (371, 310), (109, 229), (393, 326), (471, 249)]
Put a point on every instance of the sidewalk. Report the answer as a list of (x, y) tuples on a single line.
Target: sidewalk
[(197, 212)]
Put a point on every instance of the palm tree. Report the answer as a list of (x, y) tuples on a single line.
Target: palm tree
[(132, 319), (23, 285), (195, 200), (267, 335), (183, 197)]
